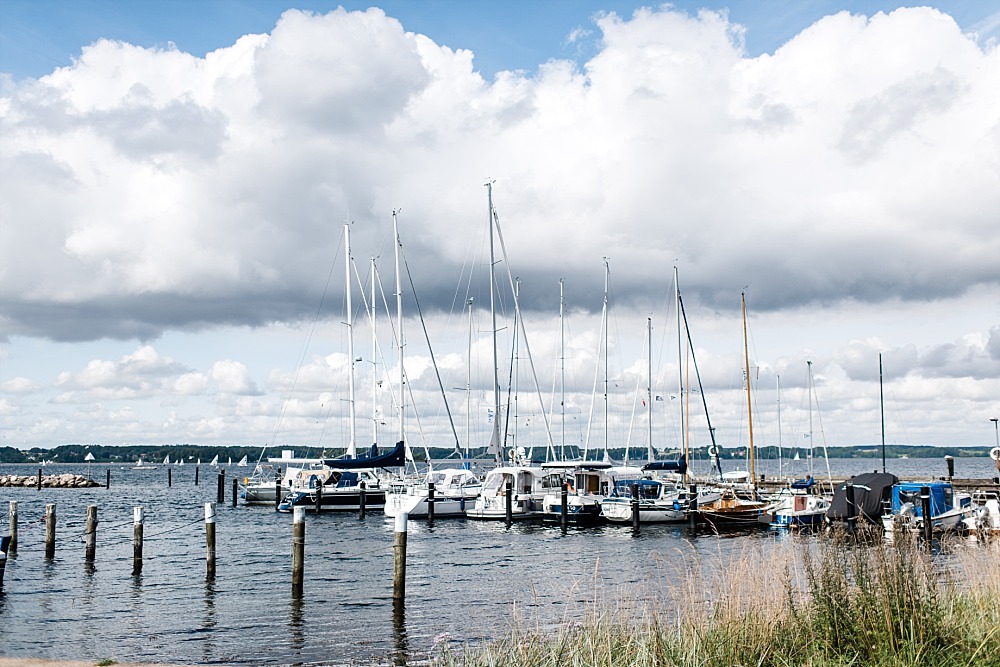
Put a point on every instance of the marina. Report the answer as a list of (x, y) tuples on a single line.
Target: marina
[(247, 613)]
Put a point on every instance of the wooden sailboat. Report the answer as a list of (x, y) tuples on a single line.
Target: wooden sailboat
[(733, 510)]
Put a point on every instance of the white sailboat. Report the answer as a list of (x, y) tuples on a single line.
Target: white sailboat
[(243, 462)]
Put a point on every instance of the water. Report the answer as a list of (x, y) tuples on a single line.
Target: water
[(464, 578)]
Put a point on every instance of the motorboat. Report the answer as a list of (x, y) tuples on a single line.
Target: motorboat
[(333, 489), (455, 492), (528, 483), (588, 484), (660, 501), (948, 508), (799, 505)]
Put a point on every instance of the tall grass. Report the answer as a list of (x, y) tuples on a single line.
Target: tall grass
[(830, 603)]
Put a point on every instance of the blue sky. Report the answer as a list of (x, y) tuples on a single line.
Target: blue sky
[(172, 203), (37, 36)]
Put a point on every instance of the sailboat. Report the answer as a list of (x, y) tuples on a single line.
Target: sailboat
[(166, 460), (243, 462), (139, 465), (733, 509), (523, 479), (215, 461), (801, 504)]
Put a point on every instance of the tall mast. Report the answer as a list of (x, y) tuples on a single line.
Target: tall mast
[(399, 320), (809, 365), (680, 369), (649, 387), (352, 443), (777, 390), (495, 445), (746, 357), (607, 278), (468, 389), (562, 369), (374, 363), (881, 404)]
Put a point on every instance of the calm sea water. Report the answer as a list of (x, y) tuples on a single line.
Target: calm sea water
[(464, 578)]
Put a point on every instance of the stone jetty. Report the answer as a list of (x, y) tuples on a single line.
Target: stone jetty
[(64, 481)]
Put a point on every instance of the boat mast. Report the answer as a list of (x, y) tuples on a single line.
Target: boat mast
[(746, 358), (809, 365), (399, 320), (495, 444), (777, 390), (562, 369), (607, 278), (649, 388), (881, 405), (374, 362), (680, 370), (468, 390), (352, 443)]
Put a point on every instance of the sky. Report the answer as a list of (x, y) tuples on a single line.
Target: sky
[(176, 179)]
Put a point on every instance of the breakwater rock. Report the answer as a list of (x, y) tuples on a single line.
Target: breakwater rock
[(64, 481)]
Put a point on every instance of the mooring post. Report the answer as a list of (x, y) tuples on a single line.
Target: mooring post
[(107, 481), (235, 490), (196, 475), (38, 484), (137, 521), (509, 502), (692, 508), (277, 491), (91, 536), (4, 546), (852, 510), (319, 496), (50, 530), (298, 547), (210, 540), (925, 508), (221, 495), (950, 462), (635, 507), (564, 507), (399, 563), (362, 500), (170, 477), (13, 527), (430, 502)]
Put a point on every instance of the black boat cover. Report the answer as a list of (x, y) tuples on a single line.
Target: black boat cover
[(391, 459), (871, 489), (679, 466)]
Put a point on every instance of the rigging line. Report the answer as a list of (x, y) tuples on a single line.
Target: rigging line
[(427, 337), (305, 345), (819, 418), (701, 387), (524, 335)]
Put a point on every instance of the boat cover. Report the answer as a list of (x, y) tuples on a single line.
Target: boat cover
[(391, 459), (679, 466), (871, 490)]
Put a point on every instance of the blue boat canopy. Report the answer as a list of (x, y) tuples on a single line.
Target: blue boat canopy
[(679, 466)]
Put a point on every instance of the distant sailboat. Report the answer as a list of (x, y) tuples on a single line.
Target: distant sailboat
[(166, 460), (243, 462), (215, 461)]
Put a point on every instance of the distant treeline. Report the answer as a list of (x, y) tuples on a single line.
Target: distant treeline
[(205, 453)]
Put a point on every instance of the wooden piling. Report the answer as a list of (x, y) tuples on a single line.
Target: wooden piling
[(221, 494), (298, 547), (236, 489), (210, 540), (693, 506), (38, 484), (170, 477), (4, 547), (91, 535), (277, 491), (196, 471), (319, 496), (635, 507), (107, 480), (851, 508), (430, 502), (362, 499), (564, 507), (399, 562), (509, 502), (925, 508), (13, 527), (137, 521), (50, 530)]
